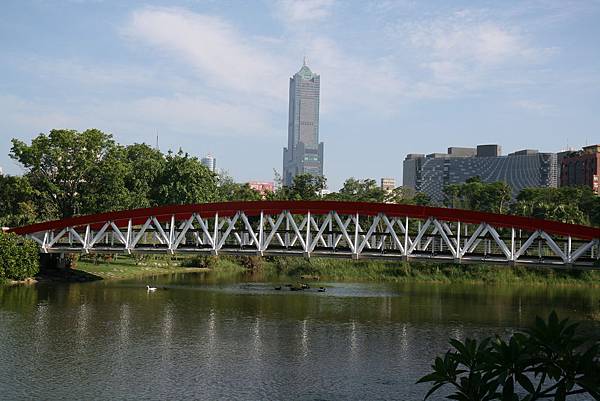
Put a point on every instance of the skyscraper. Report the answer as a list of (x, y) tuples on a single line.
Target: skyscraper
[(304, 153)]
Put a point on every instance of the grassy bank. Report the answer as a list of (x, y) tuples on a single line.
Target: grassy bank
[(126, 267), (349, 270)]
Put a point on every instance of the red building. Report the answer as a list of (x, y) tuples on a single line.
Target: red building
[(582, 168), (262, 186)]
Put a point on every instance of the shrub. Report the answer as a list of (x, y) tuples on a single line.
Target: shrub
[(203, 261), (19, 257), (250, 262), (549, 361)]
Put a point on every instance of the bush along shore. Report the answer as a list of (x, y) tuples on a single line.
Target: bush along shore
[(98, 267), (19, 258)]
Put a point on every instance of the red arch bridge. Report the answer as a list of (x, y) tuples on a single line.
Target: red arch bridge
[(326, 229)]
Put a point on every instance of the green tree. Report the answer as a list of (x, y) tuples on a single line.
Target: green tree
[(229, 190), (355, 190), (400, 195), (59, 165), (184, 180), (575, 205), (146, 165), (452, 193), (421, 199), (305, 187), (548, 361), (105, 189), (476, 195), (16, 204)]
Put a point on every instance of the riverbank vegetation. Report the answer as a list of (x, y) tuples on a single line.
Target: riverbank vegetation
[(298, 269), (370, 270), (125, 269), (19, 257)]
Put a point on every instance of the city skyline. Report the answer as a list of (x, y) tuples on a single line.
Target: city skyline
[(400, 79)]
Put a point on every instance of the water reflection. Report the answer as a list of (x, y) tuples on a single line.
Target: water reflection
[(304, 338), (217, 339), (40, 321)]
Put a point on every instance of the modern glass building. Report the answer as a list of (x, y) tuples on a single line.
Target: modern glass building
[(523, 169), (304, 153)]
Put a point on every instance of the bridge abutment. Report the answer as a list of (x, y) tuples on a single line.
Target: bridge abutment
[(54, 261)]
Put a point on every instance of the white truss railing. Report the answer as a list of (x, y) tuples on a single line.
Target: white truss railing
[(331, 234)]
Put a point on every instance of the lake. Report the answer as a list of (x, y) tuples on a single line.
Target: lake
[(213, 337)]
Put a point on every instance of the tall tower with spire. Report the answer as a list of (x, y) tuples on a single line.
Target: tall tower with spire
[(304, 153)]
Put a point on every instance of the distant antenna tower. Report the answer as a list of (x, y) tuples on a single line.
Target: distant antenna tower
[(157, 148)]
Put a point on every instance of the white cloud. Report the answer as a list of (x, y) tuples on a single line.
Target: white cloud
[(257, 70), (462, 38), (206, 117), (469, 49), (177, 114), (302, 11), (221, 55)]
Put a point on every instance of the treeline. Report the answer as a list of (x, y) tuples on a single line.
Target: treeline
[(575, 205), (68, 173)]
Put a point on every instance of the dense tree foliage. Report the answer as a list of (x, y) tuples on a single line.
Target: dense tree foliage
[(185, 180), (576, 205), (230, 190), (60, 167), (16, 201), (19, 257), (304, 187), (476, 195), (548, 361), (146, 165), (359, 191), (71, 173), (421, 199), (367, 190)]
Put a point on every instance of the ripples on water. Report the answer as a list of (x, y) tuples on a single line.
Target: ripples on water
[(202, 338)]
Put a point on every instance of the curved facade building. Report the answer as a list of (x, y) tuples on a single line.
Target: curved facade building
[(524, 169)]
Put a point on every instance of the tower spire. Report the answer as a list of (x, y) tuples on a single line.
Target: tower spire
[(304, 62)]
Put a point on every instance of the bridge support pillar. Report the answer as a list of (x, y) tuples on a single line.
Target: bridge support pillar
[(48, 261)]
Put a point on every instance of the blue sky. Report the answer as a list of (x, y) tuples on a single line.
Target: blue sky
[(397, 77)]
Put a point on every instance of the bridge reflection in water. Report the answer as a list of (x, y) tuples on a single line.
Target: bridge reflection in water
[(326, 229)]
